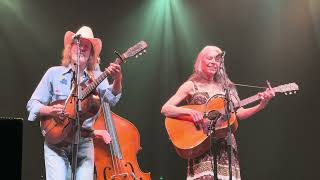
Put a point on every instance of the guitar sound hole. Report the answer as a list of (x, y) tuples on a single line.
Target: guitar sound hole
[(213, 115)]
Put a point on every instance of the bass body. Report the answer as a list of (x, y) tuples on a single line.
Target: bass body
[(117, 160)]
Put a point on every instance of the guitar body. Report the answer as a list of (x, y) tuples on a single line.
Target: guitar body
[(190, 141), (56, 130)]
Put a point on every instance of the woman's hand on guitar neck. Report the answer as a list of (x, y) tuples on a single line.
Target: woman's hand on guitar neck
[(103, 134), (265, 97)]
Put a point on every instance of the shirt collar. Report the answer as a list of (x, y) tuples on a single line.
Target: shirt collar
[(68, 69)]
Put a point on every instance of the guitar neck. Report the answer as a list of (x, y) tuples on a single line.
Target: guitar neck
[(282, 88), (249, 100), (135, 50), (97, 81)]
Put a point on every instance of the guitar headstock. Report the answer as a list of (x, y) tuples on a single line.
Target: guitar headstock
[(136, 50), (287, 88)]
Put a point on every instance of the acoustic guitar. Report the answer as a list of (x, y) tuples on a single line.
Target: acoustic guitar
[(55, 130), (191, 140)]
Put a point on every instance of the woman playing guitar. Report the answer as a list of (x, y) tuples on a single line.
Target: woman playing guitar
[(206, 82)]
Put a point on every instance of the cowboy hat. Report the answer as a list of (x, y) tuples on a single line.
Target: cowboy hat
[(86, 33)]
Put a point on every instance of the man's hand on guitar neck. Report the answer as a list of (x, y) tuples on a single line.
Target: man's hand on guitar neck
[(115, 71)]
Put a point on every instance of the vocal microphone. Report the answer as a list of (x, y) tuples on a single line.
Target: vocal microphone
[(76, 37), (223, 53)]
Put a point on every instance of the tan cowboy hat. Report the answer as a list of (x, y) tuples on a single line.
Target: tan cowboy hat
[(86, 33)]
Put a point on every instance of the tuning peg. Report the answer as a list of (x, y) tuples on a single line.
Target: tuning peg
[(140, 53), (285, 93), (295, 92), (137, 56), (290, 92), (145, 51)]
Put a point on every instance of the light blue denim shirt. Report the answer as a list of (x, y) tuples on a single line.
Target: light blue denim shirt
[(56, 85)]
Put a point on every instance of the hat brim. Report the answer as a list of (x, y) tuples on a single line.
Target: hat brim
[(96, 42)]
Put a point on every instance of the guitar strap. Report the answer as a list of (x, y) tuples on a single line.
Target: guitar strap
[(195, 87)]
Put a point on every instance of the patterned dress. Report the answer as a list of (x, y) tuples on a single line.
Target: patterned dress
[(201, 168)]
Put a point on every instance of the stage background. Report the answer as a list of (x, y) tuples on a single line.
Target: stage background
[(275, 40)]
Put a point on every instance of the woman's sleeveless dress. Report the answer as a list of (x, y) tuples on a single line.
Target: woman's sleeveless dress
[(201, 168)]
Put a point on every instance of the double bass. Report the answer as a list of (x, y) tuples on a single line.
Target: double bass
[(117, 160)]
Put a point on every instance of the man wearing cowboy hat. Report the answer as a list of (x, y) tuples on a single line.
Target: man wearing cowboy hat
[(56, 85)]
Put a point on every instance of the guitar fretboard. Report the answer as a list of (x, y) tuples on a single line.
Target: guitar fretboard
[(249, 100), (97, 81), (254, 98)]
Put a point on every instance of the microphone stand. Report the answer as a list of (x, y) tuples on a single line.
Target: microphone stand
[(213, 143), (76, 122), (228, 110)]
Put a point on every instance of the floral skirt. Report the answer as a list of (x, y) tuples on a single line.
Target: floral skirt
[(202, 167)]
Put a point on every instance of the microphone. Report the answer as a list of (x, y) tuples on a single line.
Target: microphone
[(76, 37), (223, 54), (213, 115)]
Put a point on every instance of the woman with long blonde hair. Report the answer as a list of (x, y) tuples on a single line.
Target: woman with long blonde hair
[(205, 82)]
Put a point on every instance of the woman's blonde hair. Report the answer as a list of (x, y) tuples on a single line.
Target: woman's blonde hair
[(197, 74)]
